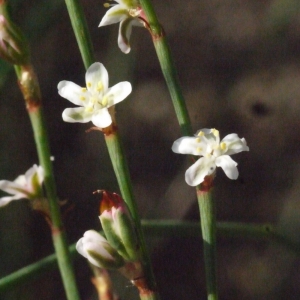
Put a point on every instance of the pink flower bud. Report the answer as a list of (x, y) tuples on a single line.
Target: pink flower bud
[(13, 45)]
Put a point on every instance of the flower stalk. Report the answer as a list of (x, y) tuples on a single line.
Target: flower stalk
[(30, 89), (58, 232), (81, 31), (115, 149), (208, 229), (167, 66), (147, 286), (154, 228), (103, 284)]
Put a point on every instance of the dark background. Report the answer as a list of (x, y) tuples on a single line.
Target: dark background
[(238, 64)]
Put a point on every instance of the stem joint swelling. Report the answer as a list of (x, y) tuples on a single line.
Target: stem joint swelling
[(157, 31)]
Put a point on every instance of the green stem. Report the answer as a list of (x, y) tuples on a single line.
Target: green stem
[(58, 233), (119, 163), (31, 272), (208, 228), (81, 31), (167, 66), (30, 89), (165, 228), (113, 141)]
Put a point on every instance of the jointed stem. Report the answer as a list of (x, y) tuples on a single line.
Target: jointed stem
[(31, 93), (167, 66), (207, 213), (113, 142), (208, 228), (121, 170)]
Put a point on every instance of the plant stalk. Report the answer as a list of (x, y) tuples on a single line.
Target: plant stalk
[(120, 167), (30, 88), (112, 140), (208, 228), (81, 31), (167, 66), (156, 228)]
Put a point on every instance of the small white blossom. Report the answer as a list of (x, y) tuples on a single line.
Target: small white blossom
[(206, 143), (28, 186), (94, 99), (98, 251), (126, 12)]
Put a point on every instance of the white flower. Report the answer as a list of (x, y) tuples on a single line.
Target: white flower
[(206, 143), (28, 186), (95, 99), (98, 251), (126, 12)]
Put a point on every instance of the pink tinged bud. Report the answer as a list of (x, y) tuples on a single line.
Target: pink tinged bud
[(98, 251), (13, 45), (120, 232), (110, 200)]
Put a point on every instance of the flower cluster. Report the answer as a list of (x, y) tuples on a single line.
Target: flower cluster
[(206, 143), (127, 12), (120, 247), (28, 186), (95, 99)]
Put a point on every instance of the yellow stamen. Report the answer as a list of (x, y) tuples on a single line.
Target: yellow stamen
[(82, 98), (223, 146), (89, 84), (134, 12), (198, 140), (89, 109), (201, 133), (83, 90), (199, 149), (104, 101), (99, 86), (215, 132)]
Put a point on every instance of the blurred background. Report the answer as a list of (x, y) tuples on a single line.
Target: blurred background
[(238, 62)]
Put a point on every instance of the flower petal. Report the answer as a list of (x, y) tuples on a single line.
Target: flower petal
[(118, 93), (235, 144), (76, 115), (96, 74), (187, 145), (102, 118), (114, 15), (71, 91), (14, 188), (228, 165), (80, 248), (124, 35), (93, 235), (98, 251), (195, 174), (35, 171), (5, 200)]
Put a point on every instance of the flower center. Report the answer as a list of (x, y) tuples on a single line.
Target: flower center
[(94, 93), (134, 12)]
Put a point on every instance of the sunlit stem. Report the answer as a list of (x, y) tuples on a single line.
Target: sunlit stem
[(31, 93), (113, 141), (167, 66), (119, 162), (208, 229)]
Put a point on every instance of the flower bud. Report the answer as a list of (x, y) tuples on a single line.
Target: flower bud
[(98, 251), (118, 226), (13, 45)]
